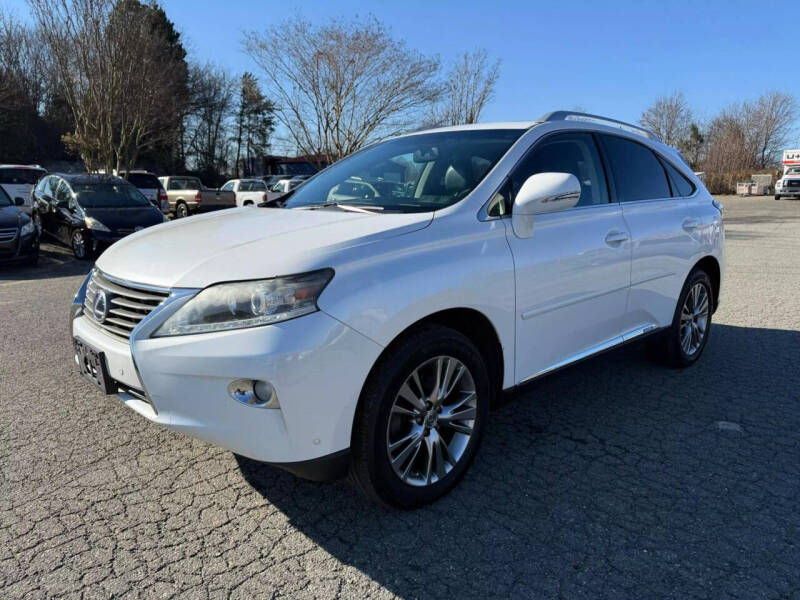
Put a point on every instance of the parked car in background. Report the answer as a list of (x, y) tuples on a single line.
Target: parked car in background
[(283, 187), (247, 192), (88, 212), (19, 238), (150, 186), (187, 195), (373, 335), (19, 180)]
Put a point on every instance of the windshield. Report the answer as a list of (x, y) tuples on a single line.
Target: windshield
[(108, 195), (4, 199), (416, 173), (20, 176)]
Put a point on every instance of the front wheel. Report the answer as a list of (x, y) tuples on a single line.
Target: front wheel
[(81, 244), (421, 418)]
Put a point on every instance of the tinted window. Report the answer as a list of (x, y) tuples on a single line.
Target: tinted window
[(414, 173), (228, 187), (63, 193), (258, 186), (573, 153), (638, 174), (20, 176), (144, 181), (109, 195), (681, 187)]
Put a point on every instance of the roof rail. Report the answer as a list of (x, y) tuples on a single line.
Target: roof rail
[(569, 115)]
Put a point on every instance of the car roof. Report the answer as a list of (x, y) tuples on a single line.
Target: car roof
[(519, 125), (89, 178)]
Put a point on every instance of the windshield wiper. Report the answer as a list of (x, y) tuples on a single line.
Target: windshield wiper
[(343, 206)]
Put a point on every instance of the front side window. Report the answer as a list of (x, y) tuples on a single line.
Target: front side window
[(109, 195), (574, 153), (416, 173), (638, 174)]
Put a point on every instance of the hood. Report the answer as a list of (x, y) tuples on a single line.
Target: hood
[(125, 218), (10, 216), (247, 243)]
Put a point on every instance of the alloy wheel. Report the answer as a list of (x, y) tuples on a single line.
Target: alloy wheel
[(79, 244), (432, 421), (694, 319)]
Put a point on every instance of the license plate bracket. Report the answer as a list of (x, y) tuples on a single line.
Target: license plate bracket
[(92, 365)]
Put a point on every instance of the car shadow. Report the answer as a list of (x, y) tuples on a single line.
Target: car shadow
[(617, 477), (54, 261)]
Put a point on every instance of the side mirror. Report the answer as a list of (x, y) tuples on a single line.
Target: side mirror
[(543, 193), (19, 201)]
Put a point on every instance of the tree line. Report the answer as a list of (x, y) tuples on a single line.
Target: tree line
[(741, 139), (110, 82)]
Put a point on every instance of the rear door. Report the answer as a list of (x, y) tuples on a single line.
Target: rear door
[(572, 274), (662, 231)]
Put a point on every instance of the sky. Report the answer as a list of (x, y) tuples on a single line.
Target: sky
[(610, 58)]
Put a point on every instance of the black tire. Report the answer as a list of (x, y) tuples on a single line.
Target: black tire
[(181, 210), (370, 470), (81, 249), (667, 346), (248, 203), (777, 197)]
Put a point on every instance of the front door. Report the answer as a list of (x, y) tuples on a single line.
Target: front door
[(573, 273)]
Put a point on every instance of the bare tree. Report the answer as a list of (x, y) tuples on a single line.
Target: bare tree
[(208, 123), (467, 88), (255, 122), (669, 117), (769, 121), (114, 74), (339, 86)]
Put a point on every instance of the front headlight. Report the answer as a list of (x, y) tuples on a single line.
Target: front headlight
[(92, 223), (247, 304), (27, 229)]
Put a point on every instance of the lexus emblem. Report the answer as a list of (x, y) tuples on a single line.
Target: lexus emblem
[(100, 306)]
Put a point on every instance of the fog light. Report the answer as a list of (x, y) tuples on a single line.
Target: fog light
[(255, 393)]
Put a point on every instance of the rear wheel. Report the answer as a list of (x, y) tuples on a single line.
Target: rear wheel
[(777, 197), (683, 343), (181, 210), (421, 418)]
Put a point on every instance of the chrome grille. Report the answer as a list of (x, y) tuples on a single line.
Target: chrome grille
[(6, 235), (126, 304)]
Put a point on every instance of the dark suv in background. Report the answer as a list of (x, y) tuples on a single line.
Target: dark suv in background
[(19, 238), (88, 212)]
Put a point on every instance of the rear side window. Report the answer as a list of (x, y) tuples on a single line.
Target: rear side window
[(144, 181), (638, 174), (681, 187), (574, 153), (20, 176)]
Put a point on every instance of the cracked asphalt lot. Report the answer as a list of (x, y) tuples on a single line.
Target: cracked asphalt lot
[(617, 478)]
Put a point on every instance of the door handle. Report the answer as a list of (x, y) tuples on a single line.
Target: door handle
[(615, 238), (691, 224)]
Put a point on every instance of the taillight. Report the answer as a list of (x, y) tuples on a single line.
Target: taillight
[(198, 197), (234, 197), (162, 196), (264, 197)]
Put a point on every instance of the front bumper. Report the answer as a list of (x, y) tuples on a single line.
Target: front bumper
[(19, 248), (788, 192), (316, 364)]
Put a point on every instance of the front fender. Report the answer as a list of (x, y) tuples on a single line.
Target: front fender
[(382, 289)]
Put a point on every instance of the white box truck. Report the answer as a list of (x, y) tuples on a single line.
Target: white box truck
[(788, 186)]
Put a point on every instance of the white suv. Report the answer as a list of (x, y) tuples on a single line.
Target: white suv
[(368, 324)]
